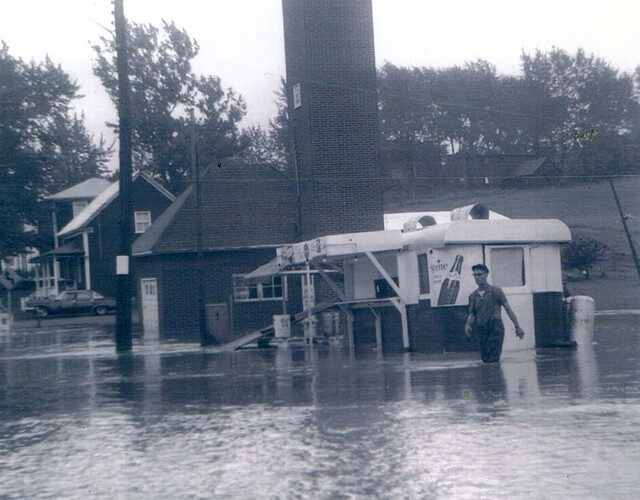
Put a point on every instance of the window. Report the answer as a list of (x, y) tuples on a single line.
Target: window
[(78, 206), (423, 273), (507, 266), (273, 288), (143, 221), (83, 297), (149, 286)]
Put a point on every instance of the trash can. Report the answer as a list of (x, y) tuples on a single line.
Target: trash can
[(282, 326), (581, 314)]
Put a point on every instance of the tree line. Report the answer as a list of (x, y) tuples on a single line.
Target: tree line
[(44, 145), (574, 108)]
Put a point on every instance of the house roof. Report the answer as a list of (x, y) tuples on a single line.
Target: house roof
[(529, 167), (241, 206), (70, 249), (498, 231), (103, 200), (148, 240), (88, 189), (492, 165)]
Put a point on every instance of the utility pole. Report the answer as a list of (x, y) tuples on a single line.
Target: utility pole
[(205, 338), (626, 229), (124, 340)]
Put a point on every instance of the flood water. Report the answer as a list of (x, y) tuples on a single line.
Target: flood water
[(179, 421)]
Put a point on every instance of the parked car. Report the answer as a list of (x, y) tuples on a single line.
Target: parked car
[(72, 302)]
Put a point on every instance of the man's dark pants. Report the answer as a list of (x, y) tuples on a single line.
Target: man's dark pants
[(490, 337)]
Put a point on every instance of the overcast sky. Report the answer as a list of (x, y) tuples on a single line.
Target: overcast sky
[(242, 42)]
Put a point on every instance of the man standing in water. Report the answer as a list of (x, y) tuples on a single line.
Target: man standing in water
[(485, 318)]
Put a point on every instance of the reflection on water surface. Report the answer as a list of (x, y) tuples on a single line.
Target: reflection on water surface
[(177, 421)]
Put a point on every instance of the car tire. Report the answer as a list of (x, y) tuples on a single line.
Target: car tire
[(42, 312), (101, 310)]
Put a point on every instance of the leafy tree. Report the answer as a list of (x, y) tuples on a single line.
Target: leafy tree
[(594, 104), (280, 133), (582, 253), (164, 88), (72, 157), (44, 147), (408, 113), (261, 149), (273, 146), (467, 98), (467, 108)]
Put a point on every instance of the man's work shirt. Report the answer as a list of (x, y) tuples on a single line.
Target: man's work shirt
[(486, 307)]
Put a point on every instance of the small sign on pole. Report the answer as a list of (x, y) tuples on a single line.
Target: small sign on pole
[(297, 96), (122, 264)]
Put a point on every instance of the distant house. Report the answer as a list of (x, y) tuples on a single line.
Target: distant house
[(244, 213), (63, 207), (500, 170), (85, 252), (473, 171), (537, 172), (21, 262)]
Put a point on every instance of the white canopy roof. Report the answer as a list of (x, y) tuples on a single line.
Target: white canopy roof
[(480, 231)]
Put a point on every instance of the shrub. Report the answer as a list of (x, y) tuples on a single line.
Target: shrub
[(582, 253)]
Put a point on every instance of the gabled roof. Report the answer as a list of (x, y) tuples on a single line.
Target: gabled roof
[(102, 201), (147, 240), (86, 190), (529, 167), (241, 206)]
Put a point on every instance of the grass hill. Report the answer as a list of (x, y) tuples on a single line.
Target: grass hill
[(588, 209)]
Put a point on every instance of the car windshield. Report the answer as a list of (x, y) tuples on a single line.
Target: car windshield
[(61, 295), (96, 295)]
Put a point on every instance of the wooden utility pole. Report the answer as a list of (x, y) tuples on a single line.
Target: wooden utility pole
[(626, 229), (124, 340), (205, 338)]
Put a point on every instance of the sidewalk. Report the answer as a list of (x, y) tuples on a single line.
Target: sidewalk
[(32, 324)]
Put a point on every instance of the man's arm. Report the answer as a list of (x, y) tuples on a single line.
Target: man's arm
[(514, 320), (467, 327)]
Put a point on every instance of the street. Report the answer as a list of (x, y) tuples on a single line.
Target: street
[(181, 421)]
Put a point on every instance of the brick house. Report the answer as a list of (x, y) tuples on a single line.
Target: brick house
[(245, 212)]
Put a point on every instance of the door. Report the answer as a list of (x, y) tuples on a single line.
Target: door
[(150, 320), (218, 322), (509, 267), (84, 303), (67, 305)]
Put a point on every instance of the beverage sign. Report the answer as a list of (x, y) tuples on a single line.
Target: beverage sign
[(450, 286), (448, 277)]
